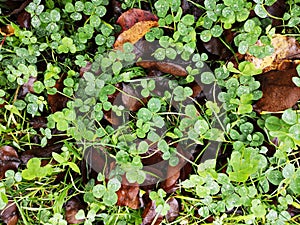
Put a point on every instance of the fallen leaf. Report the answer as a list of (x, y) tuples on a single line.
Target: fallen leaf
[(9, 160), (216, 47), (132, 98), (149, 215), (285, 50), (165, 67), (174, 172), (173, 212), (24, 19), (38, 122), (9, 215), (53, 145), (7, 30), (95, 161), (20, 7), (58, 101), (135, 33), (188, 7), (128, 194), (153, 177), (86, 68), (133, 16), (152, 156), (72, 207), (277, 10), (27, 87), (279, 91)]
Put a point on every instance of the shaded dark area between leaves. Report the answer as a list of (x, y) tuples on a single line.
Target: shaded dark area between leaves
[(53, 145), (12, 7)]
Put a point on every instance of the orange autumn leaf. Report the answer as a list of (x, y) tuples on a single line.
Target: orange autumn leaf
[(135, 33), (7, 30)]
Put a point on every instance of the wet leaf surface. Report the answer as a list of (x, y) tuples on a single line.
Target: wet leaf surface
[(9, 215), (129, 18), (217, 49), (24, 19), (9, 160), (53, 145), (150, 216), (173, 213), (277, 10), (128, 194), (279, 91), (72, 207), (165, 67), (135, 33), (27, 87), (58, 101)]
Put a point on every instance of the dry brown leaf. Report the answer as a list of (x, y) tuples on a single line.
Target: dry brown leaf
[(279, 91), (132, 16), (165, 67), (285, 49), (135, 33)]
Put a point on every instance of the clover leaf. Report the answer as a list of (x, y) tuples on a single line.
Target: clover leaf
[(34, 170)]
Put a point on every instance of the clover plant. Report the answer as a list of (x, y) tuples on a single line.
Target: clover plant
[(66, 49)]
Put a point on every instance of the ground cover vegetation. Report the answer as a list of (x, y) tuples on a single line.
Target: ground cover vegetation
[(149, 112)]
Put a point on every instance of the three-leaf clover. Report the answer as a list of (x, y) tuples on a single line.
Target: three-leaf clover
[(34, 169)]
